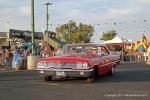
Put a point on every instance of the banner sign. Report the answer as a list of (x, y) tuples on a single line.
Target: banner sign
[(24, 34)]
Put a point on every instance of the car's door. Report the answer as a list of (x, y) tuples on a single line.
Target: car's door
[(105, 63)]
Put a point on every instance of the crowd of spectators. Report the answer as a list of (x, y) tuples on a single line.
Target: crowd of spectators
[(137, 55), (10, 58)]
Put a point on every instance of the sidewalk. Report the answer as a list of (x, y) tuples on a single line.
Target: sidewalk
[(135, 62), (2, 69), (6, 69), (9, 69)]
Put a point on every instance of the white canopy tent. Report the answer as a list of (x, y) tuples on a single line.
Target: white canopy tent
[(116, 40)]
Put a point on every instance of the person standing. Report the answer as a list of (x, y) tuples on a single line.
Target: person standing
[(7, 57), (1, 62), (3, 57), (58, 50), (16, 58), (145, 55), (148, 53)]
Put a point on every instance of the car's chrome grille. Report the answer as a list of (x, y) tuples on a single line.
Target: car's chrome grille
[(62, 64)]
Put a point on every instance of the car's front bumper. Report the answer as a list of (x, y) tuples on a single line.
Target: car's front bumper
[(66, 72)]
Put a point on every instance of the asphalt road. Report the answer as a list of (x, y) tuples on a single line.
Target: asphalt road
[(130, 82)]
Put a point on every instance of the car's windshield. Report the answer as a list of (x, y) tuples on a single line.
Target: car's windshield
[(79, 49)]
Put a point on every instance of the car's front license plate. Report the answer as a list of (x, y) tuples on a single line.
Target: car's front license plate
[(60, 73)]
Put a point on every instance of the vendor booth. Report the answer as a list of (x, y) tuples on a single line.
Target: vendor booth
[(117, 44)]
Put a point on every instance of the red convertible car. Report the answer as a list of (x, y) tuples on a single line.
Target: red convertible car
[(78, 60)]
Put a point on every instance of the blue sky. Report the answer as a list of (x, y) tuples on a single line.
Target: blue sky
[(132, 17)]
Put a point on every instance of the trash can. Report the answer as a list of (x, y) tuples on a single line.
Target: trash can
[(31, 62)]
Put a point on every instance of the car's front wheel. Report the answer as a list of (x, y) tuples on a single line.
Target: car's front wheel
[(92, 78), (47, 78), (111, 72)]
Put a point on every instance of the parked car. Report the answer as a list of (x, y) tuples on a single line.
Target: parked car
[(118, 56), (78, 60)]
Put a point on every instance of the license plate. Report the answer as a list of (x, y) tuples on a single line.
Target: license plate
[(60, 73)]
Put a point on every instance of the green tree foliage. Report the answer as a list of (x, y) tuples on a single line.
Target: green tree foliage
[(73, 33), (108, 35)]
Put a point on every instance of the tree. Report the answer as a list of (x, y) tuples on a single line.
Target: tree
[(71, 33), (108, 35)]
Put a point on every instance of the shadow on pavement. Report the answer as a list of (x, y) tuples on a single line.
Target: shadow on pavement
[(129, 73)]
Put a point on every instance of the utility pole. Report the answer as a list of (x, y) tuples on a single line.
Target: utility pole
[(47, 19), (8, 34), (32, 26)]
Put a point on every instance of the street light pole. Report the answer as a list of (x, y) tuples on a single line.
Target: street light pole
[(47, 19), (32, 25), (8, 34)]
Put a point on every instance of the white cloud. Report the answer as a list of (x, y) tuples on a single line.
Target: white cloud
[(24, 10), (86, 11), (143, 1), (119, 12)]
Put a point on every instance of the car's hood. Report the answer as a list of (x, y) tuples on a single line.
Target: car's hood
[(70, 58)]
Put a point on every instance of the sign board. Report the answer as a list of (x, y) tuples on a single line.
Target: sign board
[(24, 34)]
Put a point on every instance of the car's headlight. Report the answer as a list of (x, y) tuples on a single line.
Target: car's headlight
[(82, 65), (42, 64)]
